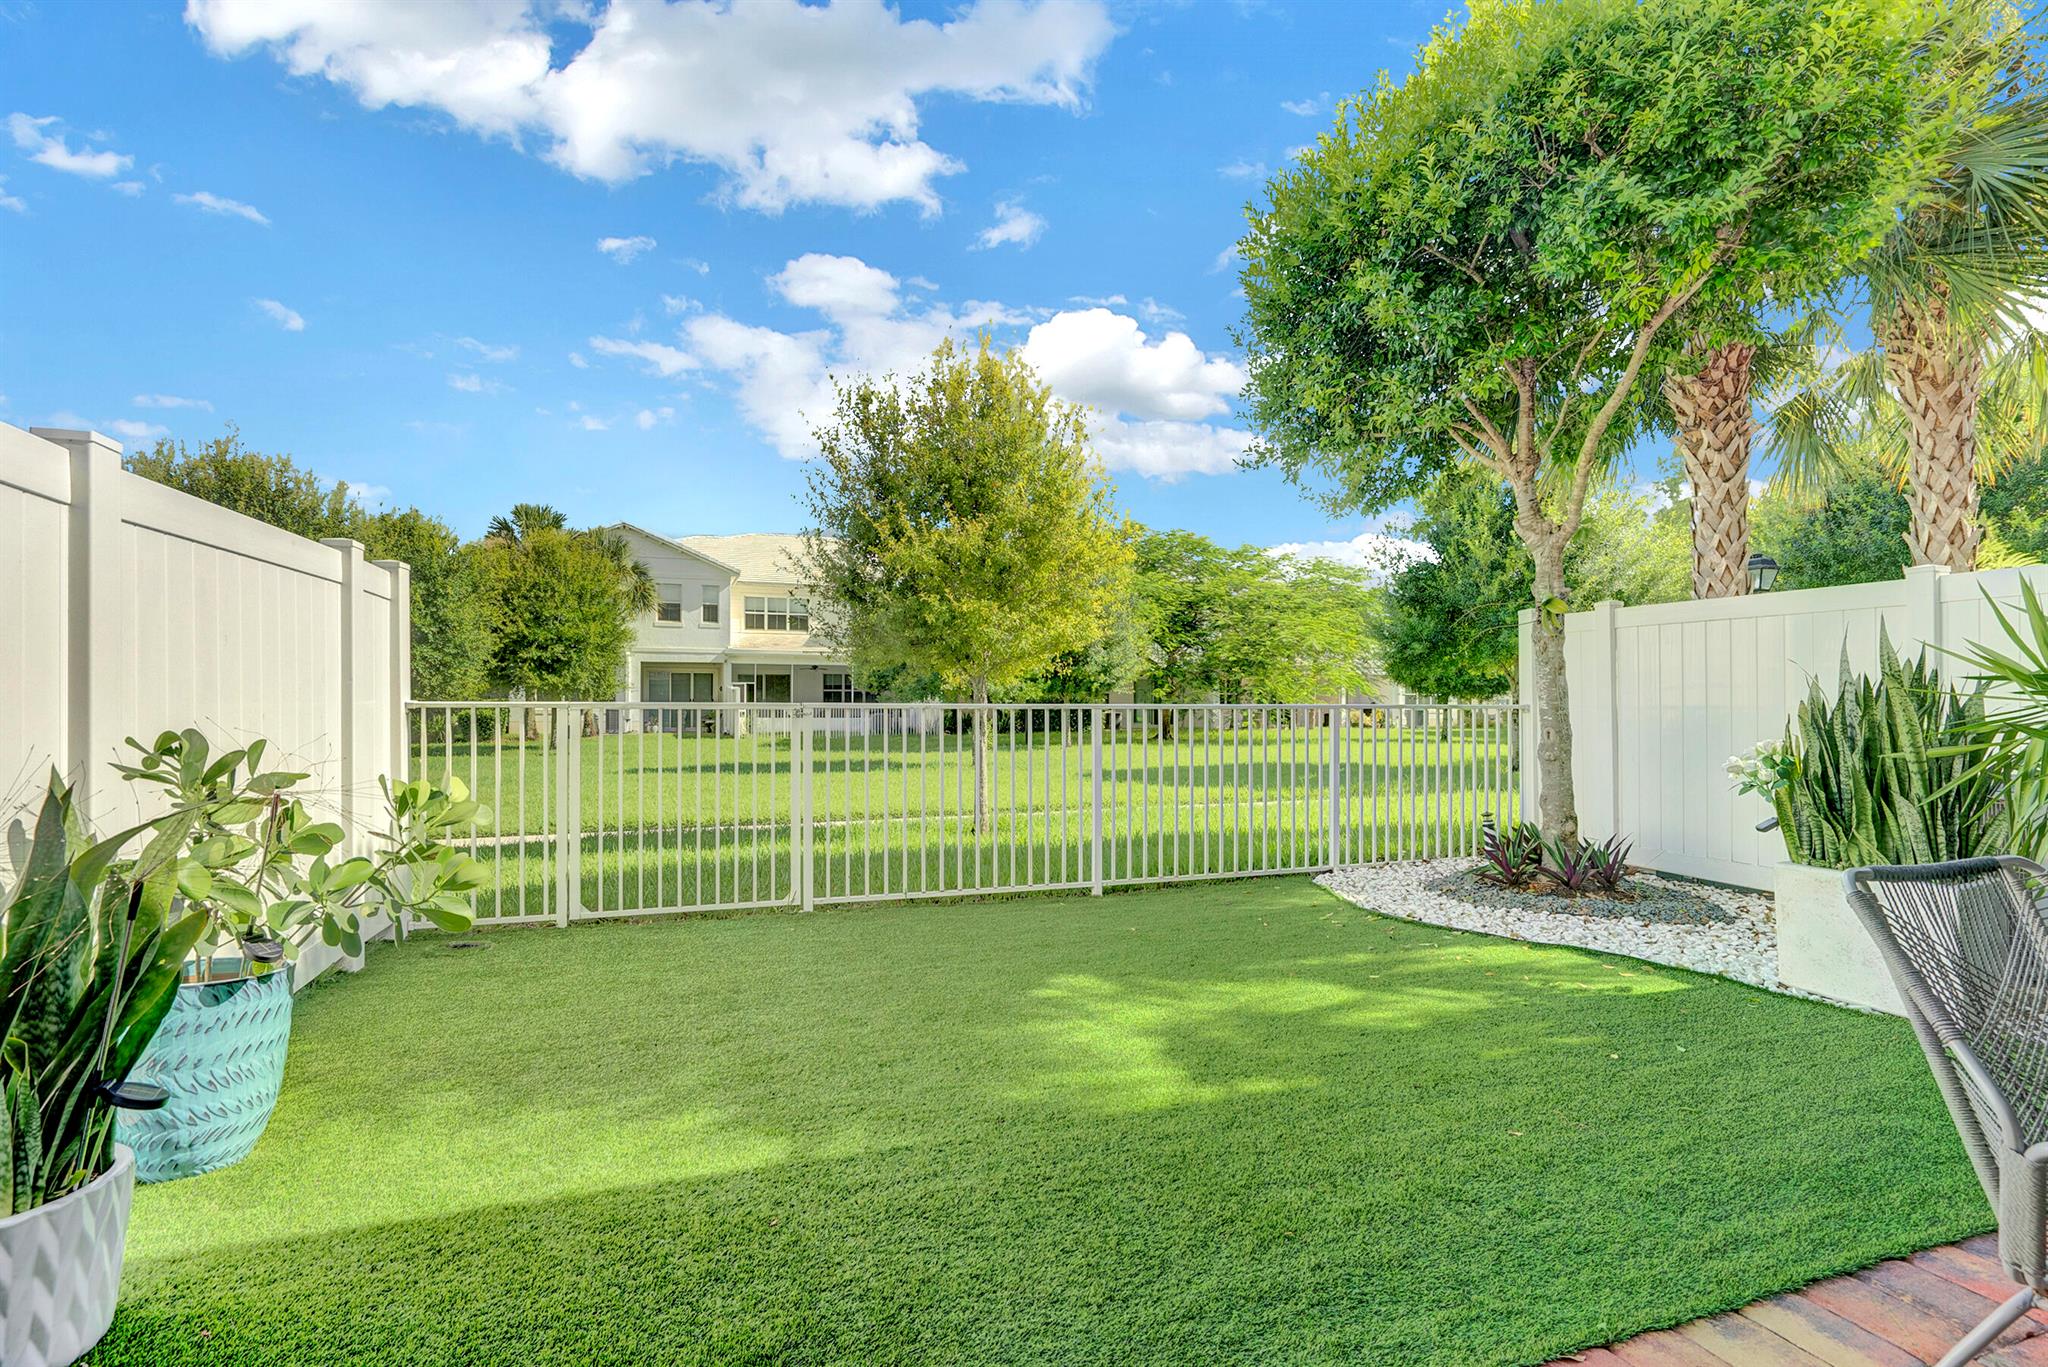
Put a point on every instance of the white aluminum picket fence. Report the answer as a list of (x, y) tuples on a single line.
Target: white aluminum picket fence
[(600, 809)]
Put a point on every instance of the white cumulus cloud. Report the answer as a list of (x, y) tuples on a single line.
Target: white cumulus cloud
[(286, 318), (1153, 397), (1097, 357), (1015, 226), (44, 143), (1169, 451), (660, 358), (134, 430), (1381, 552), (212, 203), (791, 102), (836, 286), (624, 249), (170, 401), (12, 203)]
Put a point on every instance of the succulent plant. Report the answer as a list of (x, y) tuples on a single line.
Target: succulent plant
[(1513, 854), (93, 950), (1883, 774), (1608, 864)]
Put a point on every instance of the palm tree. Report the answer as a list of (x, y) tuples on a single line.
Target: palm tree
[(1710, 390), (524, 522), (1956, 387), (1709, 396), (638, 585), (528, 521)]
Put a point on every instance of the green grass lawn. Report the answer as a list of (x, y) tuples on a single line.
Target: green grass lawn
[(688, 821), (1238, 1122)]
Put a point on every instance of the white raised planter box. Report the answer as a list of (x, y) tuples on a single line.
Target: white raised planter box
[(60, 1270), (1822, 948)]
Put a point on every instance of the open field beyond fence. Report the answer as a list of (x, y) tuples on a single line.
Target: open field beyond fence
[(651, 813)]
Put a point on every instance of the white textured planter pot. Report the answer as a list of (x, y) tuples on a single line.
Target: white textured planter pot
[(1822, 948), (60, 1270)]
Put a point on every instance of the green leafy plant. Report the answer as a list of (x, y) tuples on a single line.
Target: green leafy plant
[(2007, 745), (93, 950), (265, 872), (1883, 774)]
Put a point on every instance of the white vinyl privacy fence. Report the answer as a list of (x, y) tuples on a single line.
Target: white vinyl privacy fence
[(610, 809), (1663, 694), (129, 608)]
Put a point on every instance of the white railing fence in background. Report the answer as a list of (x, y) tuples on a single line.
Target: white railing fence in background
[(599, 809)]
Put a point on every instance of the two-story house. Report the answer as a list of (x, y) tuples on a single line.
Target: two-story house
[(730, 624)]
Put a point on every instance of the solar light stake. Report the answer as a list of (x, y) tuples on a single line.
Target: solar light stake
[(126, 1096)]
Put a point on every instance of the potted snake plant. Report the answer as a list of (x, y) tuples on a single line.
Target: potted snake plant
[(267, 876), (92, 950), (1880, 773)]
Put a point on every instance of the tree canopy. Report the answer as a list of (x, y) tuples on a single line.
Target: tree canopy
[(269, 488), (1478, 265), (961, 526), (562, 604), (1244, 625)]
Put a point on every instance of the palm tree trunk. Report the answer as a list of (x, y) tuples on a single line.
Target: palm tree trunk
[(1714, 427), (1938, 373)]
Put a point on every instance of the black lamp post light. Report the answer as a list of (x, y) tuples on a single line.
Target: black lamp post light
[(1763, 572)]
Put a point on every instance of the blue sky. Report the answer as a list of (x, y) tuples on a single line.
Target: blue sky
[(370, 235)]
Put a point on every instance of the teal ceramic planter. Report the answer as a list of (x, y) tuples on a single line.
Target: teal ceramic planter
[(220, 1054)]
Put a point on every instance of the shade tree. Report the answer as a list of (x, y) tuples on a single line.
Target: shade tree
[(1482, 263), (961, 527)]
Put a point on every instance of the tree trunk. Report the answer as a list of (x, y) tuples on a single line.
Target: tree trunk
[(981, 756), (1557, 810), (1714, 428), (1938, 373)]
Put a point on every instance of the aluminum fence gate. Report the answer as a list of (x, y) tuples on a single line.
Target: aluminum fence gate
[(602, 809)]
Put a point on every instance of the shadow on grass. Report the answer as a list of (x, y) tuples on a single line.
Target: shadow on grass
[(1233, 1123)]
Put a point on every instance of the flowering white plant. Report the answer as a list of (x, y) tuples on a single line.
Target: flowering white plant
[(1767, 767)]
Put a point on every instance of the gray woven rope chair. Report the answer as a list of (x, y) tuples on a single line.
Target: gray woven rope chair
[(1967, 945)]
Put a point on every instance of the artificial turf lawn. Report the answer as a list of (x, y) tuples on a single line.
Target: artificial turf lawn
[(1230, 1122)]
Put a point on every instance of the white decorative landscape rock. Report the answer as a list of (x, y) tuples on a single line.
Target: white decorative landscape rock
[(60, 1270), (1744, 947)]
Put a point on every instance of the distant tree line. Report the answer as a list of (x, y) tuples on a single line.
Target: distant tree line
[(1082, 604)]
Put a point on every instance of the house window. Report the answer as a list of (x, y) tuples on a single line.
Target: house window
[(839, 688), (777, 613), (711, 605), (669, 608), (761, 685)]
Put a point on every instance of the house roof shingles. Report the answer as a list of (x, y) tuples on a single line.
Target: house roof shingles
[(760, 557)]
